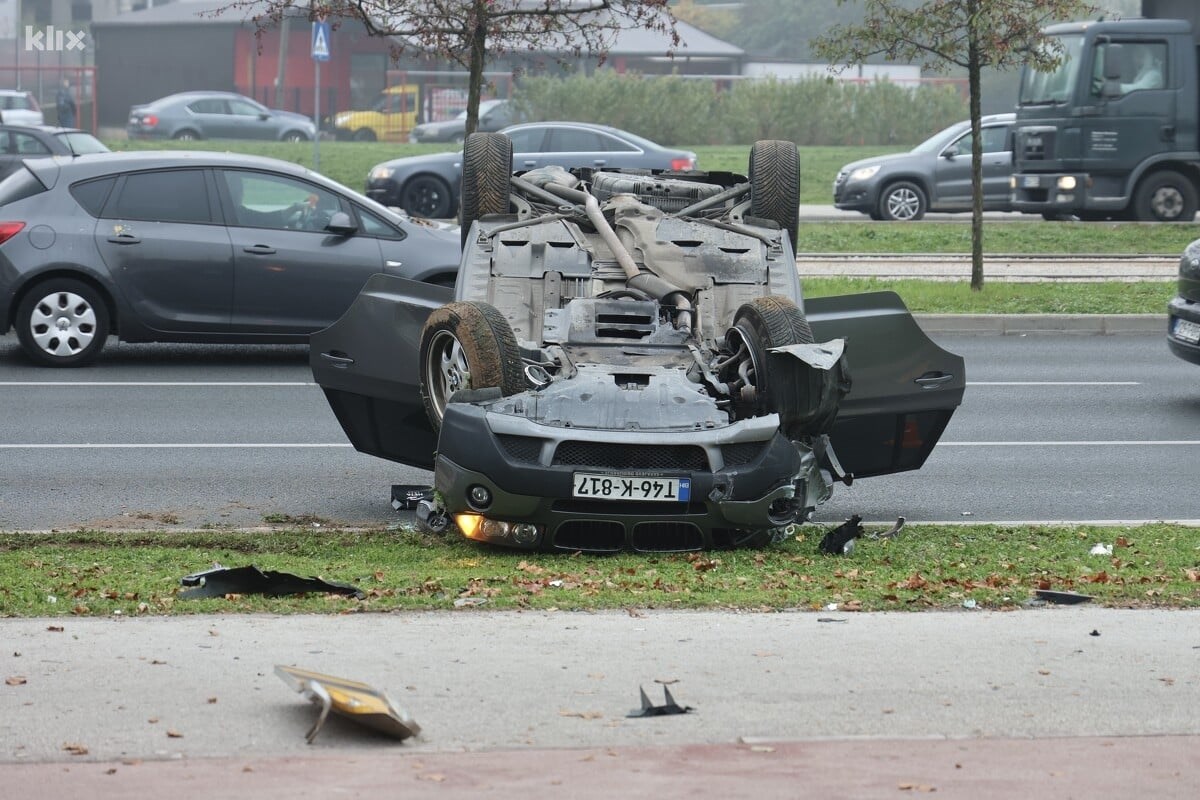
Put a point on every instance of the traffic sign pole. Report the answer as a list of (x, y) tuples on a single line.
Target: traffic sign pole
[(320, 52)]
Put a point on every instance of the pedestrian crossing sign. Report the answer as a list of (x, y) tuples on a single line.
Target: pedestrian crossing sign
[(320, 41)]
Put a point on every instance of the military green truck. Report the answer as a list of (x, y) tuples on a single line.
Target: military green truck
[(1111, 133)]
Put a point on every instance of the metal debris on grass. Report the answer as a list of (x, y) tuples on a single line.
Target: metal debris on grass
[(648, 708)]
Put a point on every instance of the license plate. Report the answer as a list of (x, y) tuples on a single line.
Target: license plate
[(1187, 331), (615, 487), (1031, 181)]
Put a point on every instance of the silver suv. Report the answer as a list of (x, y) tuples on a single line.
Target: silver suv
[(933, 176)]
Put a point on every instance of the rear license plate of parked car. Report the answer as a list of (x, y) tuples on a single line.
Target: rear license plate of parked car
[(615, 487), (1187, 331)]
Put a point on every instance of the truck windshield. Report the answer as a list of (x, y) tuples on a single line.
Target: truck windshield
[(1055, 86)]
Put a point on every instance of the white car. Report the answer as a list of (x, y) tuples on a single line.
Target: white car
[(20, 108)]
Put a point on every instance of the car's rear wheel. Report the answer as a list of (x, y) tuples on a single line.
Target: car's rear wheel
[(758, 326), (902, 201), (62, 322), (467, 345), (186, 135), (775, 184), (364, 135), (487, 167), (426, 196)]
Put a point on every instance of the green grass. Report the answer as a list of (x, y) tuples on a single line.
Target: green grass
[(948, 297), (101, 574)]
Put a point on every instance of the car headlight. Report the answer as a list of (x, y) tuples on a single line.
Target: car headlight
[(862, 173), (1066, 182), (380, 173)]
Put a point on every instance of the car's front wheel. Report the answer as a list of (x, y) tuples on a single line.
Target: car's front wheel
[(467, 345), (364, 135), (294, 136), (426, 196), (902, 201), (62, 322)]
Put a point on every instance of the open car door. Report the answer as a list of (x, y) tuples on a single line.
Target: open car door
[(367, 364), (904, 388)]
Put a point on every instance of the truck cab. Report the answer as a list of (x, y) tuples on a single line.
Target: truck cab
[(1112, 131)]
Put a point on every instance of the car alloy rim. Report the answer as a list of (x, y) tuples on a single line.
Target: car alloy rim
[(448, 369), (423, 198), (902, 204), (63, 324)]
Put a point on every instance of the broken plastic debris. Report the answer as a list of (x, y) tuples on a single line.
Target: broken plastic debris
[(1063, 598), (355, 701), (220, 581), (1100, 550), (648, 709), (840, 540), (831, 607), (969, 603), (405, 496), (891, 532)]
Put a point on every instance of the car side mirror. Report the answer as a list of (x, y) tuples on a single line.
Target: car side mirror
[(950, 152), (341, 224), (264, 116)]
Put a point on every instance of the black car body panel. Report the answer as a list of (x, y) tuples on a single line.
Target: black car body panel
[(1183, 311), (658, 389)]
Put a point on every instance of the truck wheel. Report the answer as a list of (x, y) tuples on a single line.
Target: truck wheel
[(1165, 196), (902, 201), (62, 323), (487, 167), (775, 184), (759, 325), (467, 345)]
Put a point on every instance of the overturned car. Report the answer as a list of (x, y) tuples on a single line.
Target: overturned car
[(628, 362)]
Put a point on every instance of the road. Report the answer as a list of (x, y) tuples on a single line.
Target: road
[(1052, 428)]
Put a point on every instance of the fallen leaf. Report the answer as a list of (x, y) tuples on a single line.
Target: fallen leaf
[(110, 771), (435, 777), (581, 714), (212, 701), (1043, 672), (16, 680), (153, 720), (75, 749), (174, 734), (762, 748), (1168, 681)]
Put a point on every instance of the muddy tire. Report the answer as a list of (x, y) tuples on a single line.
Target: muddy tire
[(467, 345), (487, 167), (775, 184), (62, 322)]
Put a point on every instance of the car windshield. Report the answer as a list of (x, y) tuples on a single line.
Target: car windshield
[(484, 107), (80, 143), (1055, 86), (940, 139)]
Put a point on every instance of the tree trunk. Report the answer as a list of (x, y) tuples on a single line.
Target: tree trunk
[(478, 22), (973, 37)]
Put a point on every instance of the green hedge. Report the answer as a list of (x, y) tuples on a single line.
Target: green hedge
[(812, 111)]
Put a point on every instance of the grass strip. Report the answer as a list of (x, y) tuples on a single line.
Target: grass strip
[(88, 573)]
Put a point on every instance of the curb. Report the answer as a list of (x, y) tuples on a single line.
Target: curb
[(1004, 324)]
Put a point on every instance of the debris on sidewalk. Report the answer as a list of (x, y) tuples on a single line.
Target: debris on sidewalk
[(1101, 550), (648, 708), (1063, 598), (405, 496), (355, 701), (840, 540), (892, 532), (220, 581)]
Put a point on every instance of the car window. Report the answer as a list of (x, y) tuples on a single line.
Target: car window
[(20, 101), (266, 200), (80, 143), (528, 140), (177, 195), (211, 105), (27, 145), (372, 225), (92, 194), (573, 140), (244, 109), (611, 144), (995, 139)]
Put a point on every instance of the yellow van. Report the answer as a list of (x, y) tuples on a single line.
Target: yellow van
[(390, 119)]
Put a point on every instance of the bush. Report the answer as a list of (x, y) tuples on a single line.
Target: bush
[(673, 110)]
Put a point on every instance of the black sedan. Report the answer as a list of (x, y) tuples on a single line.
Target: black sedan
[(19, 142), (1183, 312), (192, 247), (428, 186)]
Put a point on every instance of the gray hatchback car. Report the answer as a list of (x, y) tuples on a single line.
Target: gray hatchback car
[(933, 176), (192, 247)]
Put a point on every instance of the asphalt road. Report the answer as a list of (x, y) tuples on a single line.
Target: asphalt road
[(1052, 428)]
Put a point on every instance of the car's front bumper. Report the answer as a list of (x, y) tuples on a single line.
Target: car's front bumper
[(1182, 310), (747, 481), (856, 195), (1066, 193), (384, 192)]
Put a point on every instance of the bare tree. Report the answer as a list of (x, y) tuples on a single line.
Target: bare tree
[(470, 32), (972, 34)]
